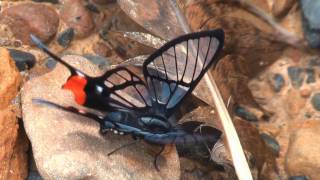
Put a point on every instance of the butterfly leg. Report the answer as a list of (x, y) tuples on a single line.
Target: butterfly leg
[(123, 146), (157, 156)]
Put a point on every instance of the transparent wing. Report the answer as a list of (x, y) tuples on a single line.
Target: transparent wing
[(125, 90), (175, 69)]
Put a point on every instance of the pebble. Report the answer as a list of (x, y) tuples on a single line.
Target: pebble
[(91, 7), (76, 16), (316, 101), (271, 142), (295, 75), (281, 8), (31, 18), (310, 21), (50, 63), (49, 1), (298, 178), (310, 75), (102, 62), (278, 82), (302, 158), (65, 37), (101, 49), (245, 114), (305, 92), (23, 60)]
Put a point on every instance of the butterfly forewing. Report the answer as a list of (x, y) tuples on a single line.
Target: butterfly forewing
[(127, 90), (174, 70)]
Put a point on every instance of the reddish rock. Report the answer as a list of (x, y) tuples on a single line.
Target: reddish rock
[(281, 8), (76, 16), (27, 18), (303, 157), (9, 78), (13, 145)]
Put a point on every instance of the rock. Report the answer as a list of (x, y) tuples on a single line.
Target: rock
[(65, 37), (102, 62), (102, 49), (277, 82), (281, 8), (271, 142), (245, 114), (76, 16), (49, 1), (14, 145), (9, 78), (298, 178), (24, 60), (103, 2), (311, 24), (294, 102), (301, 158), (91, 7), (316, 101), (295, 74), (50, 63), (310, 75), (31, 18), (305, 92), (67, 146)]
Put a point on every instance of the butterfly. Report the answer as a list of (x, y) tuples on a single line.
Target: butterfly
[(144, 107)]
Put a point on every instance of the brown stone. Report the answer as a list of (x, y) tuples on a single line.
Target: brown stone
[(30, 18), (69, 146), (102, 49), (76, 16), (294, 102), (9, 78), (302, 157), (281, 8)]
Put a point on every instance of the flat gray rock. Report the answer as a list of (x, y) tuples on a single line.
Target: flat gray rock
[(68, 146)]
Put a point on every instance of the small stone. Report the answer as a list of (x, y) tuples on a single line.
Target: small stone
[(50, 63), (272, 143), (315, 61), (316, 101), (295, 75), (311, 24), (103, 2), (92, 8), (294, 102), (102, 62), (245, 114), (76, 16), (281, 8), (9, 78), (49, 1), (310, 75), (305, 92), (31, 18), (102, 49), (65, 37), (302, 158), (22, 59), (298, 178), (278, 82)]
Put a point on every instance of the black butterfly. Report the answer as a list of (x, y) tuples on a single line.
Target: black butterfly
[(143, 107)]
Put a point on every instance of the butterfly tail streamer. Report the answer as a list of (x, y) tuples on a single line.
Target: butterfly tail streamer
[(44, 48), (236, 150)]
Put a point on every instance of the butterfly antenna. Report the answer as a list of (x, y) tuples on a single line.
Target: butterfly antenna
[(156, 157), (44, 48), (123, 146), (69, 109)]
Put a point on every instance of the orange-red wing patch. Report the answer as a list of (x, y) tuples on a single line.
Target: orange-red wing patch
[(76, 85)]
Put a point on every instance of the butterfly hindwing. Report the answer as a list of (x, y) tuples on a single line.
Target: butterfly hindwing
[(174, 70)]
